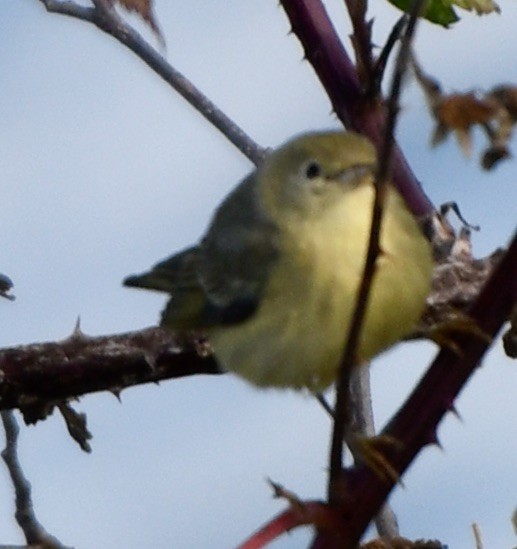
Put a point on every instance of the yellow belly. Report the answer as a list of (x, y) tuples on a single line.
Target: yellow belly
[(296, 338)]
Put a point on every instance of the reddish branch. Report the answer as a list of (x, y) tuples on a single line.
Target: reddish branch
[(414, 426)]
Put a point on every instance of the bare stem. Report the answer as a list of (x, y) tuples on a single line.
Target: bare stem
[(362, 422), (349, 358), (33, 531), (107, 20)]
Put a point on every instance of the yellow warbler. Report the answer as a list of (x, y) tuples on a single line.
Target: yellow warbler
[(273, 283)]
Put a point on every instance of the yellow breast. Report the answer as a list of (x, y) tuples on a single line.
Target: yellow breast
[(296, 338)]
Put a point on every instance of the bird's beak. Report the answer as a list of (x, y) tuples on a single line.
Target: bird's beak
[(355, 173)]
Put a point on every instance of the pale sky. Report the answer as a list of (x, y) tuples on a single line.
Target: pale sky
[(105, 170)]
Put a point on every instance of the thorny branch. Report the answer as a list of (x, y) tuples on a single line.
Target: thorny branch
[(431, 399), (35, 378)]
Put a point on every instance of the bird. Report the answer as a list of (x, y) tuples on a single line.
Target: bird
[(273, 283)]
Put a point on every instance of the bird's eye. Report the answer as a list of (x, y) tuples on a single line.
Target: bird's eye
[(312, 170)]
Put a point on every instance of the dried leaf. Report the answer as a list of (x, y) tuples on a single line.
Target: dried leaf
[(76, 425), (495, 112), (463, 110), (459, 112), (481, 7), (507, 96), (144, 8), (493, 155)]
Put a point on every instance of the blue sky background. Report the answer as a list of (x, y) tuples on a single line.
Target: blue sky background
[(105, 170)]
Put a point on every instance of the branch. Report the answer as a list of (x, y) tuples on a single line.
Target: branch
[(107, 20), (381, 181), (33, 531), (362, 423), (414, 425), (362, 41), (34, 378), (298, 514), (433, 397)]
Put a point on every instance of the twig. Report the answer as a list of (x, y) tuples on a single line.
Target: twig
[(476, 530), (349, 358), (306, 513), (35, 377), (25, 517), (362, 41), (382, 60), (362, 422), (107, 20)]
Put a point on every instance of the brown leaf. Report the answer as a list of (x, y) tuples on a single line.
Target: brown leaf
[(144, 8), (495, 112), (493, 155), (507, 96), (460, 111)]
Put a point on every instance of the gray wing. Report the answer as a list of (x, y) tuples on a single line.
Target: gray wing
[(235, 257), (176, 272)]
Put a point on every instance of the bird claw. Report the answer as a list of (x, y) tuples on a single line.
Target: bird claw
[(445, 332), (368, 450)]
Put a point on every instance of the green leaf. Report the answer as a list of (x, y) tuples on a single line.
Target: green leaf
[(437, 11), (442, 12)]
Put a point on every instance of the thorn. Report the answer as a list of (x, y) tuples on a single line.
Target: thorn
[(116, 394), (277, 488), (280, 492), (320, 397), (435, 441), (453, 206), (77, 333), (454, 411), (150, 360)]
